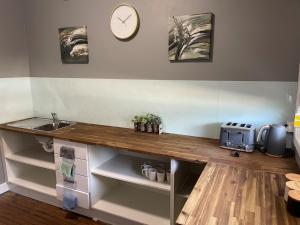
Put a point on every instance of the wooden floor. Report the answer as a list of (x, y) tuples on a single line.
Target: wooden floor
[(19, 210), (227, 195)]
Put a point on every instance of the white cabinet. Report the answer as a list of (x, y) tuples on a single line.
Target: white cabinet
[(80, 186), (81, 166), (119, 188), (107, 181), (83, 199), (81, 150), (27, 164), (81, 183)]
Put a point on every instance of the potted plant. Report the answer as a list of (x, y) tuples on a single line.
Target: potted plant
[(142, 124), (157, 122), (149, 123), (136, 122), (149, 118)]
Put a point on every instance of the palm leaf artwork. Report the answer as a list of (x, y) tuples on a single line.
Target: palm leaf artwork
[(190, 37)]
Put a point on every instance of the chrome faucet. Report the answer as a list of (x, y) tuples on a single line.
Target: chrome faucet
[(55, 120)]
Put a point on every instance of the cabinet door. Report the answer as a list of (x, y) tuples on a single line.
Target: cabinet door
[(80, 149), (81, 166), (83, 199), (81, 183)]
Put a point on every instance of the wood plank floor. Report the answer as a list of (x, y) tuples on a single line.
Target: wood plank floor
[(19, 210)]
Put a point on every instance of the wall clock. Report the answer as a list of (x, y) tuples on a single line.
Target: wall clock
[(124, 22)]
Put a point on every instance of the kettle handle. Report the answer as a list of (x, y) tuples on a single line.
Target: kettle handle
[(259, 135)]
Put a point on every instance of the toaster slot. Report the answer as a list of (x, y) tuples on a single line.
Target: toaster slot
[(243, 125), (234, 124), (228, 124), (237, 138), (249, 126)]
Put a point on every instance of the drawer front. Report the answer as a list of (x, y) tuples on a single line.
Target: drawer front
[(83, 199), (81, 183), (80, 149), (81, 166)]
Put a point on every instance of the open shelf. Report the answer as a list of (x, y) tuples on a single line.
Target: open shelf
[(36, 179), (136, 204), (188, 185), (34, 157), (127, 168)]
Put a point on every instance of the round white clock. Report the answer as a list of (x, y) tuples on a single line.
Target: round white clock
[(124, 22)]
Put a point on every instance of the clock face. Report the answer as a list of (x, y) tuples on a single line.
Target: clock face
[(124, 22)]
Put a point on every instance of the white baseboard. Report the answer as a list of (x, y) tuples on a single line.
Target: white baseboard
[(3, 188)]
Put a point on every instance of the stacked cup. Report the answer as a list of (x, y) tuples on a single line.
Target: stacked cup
[(155, 173)]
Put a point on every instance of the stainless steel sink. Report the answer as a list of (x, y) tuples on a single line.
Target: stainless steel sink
[(51, 126), (41, 124)]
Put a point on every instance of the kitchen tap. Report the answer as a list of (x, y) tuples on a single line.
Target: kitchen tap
[(55, 120)]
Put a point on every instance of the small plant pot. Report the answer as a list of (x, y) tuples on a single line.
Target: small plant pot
[(142, 127), (157, 129), (136, 126), (149, 128)]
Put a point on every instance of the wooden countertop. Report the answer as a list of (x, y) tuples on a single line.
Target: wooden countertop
[(181, 147), (230, 191), (229, 195)]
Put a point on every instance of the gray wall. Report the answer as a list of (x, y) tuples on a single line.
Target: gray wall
[(254, 40), (13, 53), (13, 39)]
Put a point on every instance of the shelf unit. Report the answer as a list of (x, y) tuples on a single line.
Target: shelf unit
[(27, 164), (138, 204), (32, 178), (127, 168), (35, 157), (116, 186)]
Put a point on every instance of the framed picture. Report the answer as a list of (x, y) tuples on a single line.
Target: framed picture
[(74, 45), (190, 37)]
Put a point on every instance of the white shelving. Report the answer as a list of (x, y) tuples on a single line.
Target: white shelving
[(127, 168), (27, 164), (114, 183), (137, 204), (33, 157), (42, 181)]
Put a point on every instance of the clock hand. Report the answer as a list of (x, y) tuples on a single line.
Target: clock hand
[(120, 19), (127, 18)]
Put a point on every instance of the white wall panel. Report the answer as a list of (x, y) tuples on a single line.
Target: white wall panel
[(187, 107)]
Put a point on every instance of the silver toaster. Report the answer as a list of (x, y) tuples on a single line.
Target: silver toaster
[(237, 136)]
